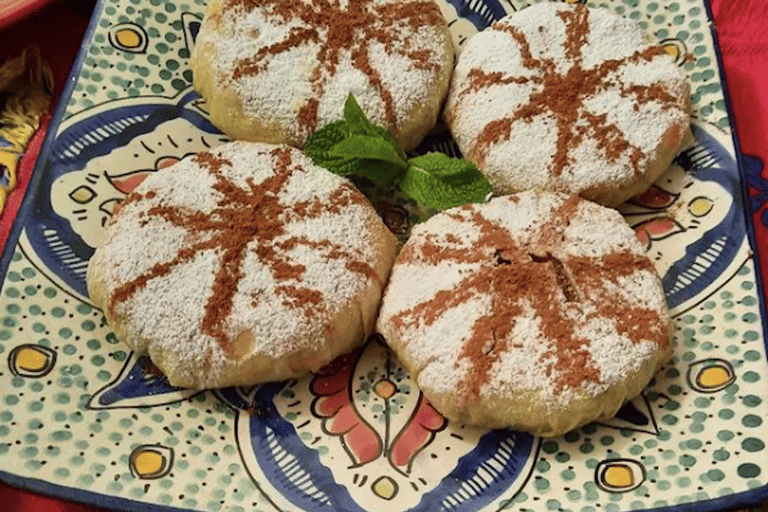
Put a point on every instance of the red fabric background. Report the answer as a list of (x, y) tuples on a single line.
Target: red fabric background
[(57, 31), (741, 28)]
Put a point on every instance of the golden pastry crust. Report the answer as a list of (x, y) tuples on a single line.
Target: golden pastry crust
[(276, 71), (571, 99), (240, 265), (537, 312)]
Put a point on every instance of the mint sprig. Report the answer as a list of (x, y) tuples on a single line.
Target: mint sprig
[(357, 146), (441, 181)]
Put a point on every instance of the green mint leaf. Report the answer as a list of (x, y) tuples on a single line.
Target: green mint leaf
[(381, 173), (438, 181), (343, 154), (367, 147), (320, 143), (356, 120), (384, 134), (326, 137), (356, 146), (358, 124)]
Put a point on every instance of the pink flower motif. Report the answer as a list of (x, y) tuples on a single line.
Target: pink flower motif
[(657, 229), (655, 198), (417, 434), (334, 404)]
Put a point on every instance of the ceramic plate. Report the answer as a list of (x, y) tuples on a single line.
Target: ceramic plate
[(84, 418)]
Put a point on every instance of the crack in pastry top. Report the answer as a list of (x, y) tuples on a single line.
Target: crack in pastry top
[(265, 220), (385, 41), (564, 289), (564, 89)]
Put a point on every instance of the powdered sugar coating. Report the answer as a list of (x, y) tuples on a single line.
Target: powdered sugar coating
[(293, 63), (248, 250), (568, 98), (552, 296)]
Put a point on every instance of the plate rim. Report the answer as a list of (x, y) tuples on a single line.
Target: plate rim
[(743, 499)]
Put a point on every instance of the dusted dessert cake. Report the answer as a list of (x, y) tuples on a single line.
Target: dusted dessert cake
[(571, 99), (537, 311), (240, 265), (277, 70)]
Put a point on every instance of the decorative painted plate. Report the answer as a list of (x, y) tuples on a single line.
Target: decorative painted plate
[(84, 418)]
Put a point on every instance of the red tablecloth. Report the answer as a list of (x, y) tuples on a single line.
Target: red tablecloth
[(58, 29)]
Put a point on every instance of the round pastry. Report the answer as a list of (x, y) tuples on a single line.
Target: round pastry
[(537, 311), (568, 98), (243, 264), (276, 71)]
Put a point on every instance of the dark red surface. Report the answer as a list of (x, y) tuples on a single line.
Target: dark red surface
[(741, 29), (21, 10), (58, 29)]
